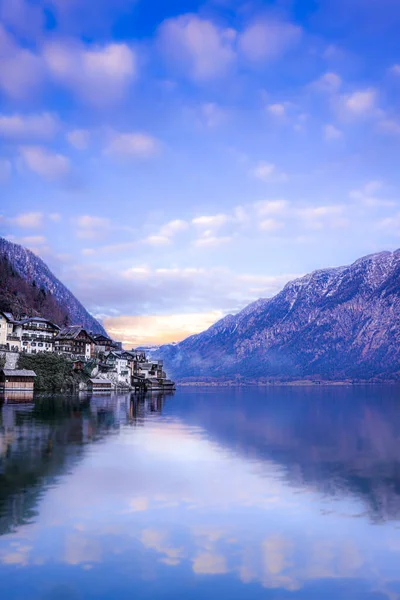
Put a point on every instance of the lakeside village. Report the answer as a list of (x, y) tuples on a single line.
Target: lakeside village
[(98, 364)]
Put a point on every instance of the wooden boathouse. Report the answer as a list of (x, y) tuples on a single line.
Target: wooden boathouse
[(100, 386), (17, 380)]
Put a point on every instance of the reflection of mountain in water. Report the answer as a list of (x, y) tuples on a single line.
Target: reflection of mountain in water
[(338, 440), (42, 442)]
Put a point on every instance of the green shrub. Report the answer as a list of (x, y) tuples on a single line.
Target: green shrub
[(53, 372)]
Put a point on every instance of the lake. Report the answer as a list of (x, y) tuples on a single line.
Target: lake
[(237, 493)]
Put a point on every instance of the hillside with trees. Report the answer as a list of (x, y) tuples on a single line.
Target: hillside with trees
[(23, 298)]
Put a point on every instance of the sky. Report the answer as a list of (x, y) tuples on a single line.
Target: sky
[(173, 161)]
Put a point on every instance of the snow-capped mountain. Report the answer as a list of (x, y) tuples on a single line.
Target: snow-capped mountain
[(331, 324), (32, 269)]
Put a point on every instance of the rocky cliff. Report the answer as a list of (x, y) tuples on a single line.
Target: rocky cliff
[(332, 324), (31, 269)]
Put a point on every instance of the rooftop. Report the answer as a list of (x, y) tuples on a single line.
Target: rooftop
[(19, 373), (71, 332), (37, 320)]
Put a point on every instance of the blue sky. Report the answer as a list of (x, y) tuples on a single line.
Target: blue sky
[(172, 162)]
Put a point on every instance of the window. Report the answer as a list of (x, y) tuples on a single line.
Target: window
[(40, 344)]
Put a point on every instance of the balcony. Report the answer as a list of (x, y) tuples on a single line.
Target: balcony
[(30, 327), (13, 338), (38, 338)]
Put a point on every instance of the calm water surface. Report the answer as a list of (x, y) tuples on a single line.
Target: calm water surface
[(230, 493)]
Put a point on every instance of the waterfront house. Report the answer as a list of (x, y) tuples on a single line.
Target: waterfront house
[(36, 334), (74, 341), (117, 362), (17, 380), (100, 385), (149, 373)]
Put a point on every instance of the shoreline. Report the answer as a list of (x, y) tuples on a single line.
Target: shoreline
[(296, 383)]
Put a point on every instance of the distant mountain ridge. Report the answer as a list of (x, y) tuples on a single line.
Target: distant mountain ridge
[(32, 269), (333, 324)]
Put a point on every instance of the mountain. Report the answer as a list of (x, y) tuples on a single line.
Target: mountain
[(332, 324), (30, 268)]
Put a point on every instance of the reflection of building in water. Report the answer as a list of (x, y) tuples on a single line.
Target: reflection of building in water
[(120, 409), (17, 397), (41, 441), (35, 447), (142, 406)]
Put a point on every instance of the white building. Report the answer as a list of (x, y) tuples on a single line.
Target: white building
[(8, 338), (118, 362), (36, 334)]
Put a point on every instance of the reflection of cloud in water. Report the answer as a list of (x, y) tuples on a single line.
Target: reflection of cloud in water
[(158, 540), (81, 549), (209, 564)]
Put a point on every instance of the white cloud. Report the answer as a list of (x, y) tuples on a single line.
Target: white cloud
[(277, 110), (92, 226), (5, 169), (395, 69), (88, 252), (211, 241), (329, 83), (79, 138), (211, 114), (89, 221), (197, 46), (55, 217), (268, 172), (173, 227), (367, 195), (36, 240), (157, 240), (30, 220), (28, 127), (266, 40), (391, 223), (270, 225), (390, 126), (47, 164), (332, 133), (21, 70), (99, 74), (160, 291), (359, 104), (166, 232), (271, 207), (241, 215), (134, 145), (318, 217), (212, 221)]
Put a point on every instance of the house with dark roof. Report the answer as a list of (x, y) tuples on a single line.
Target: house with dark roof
[(17, 380), (74, 341), (102, 343), (98, 385), (36, 334)]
